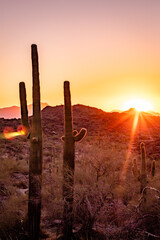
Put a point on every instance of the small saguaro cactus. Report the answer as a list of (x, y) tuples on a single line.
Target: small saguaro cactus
[(69, 138), (35, 135), (141, 175), (153, 168)]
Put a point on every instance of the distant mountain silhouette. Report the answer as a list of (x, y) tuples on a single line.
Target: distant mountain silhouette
[(15, 112)]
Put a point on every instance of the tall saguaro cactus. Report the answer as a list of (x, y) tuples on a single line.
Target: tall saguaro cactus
[(35, 163), (70, 137)]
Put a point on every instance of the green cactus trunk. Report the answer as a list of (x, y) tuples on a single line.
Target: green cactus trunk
[(35, 163), (69, 139), (68, 165), (143, 177)]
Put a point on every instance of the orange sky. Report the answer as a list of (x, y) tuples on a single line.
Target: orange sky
[(108, 50)]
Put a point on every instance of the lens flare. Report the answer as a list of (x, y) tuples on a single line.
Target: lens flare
[(9, 133), (22, 130), (126, 162)]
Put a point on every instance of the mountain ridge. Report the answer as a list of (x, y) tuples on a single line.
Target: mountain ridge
[(15, 111), (118, 127)]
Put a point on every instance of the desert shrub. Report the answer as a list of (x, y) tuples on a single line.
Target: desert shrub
[(108, 204), (91, 205), (9, 166), (13, 203), (52, 201), (12, 217)]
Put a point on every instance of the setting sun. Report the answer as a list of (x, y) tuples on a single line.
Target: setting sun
[(138, 104)]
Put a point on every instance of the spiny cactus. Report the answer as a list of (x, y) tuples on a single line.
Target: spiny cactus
[(35, 163), (24, 110), (153, 168), (69, 138), (135, 170), (141, 175)]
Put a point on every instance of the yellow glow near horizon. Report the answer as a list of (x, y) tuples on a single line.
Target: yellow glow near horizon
[(138, 104)]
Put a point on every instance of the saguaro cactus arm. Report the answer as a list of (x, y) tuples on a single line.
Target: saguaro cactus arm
[(143, 159), (75, 132), (135, 170), (79, 136), (24, 110)]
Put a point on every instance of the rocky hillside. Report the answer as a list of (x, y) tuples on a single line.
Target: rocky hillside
[(119, 126)]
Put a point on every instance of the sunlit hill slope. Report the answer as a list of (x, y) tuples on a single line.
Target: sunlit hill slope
[(117, 126)]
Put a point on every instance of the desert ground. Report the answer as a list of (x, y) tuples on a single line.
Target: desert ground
[(108, 203)]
